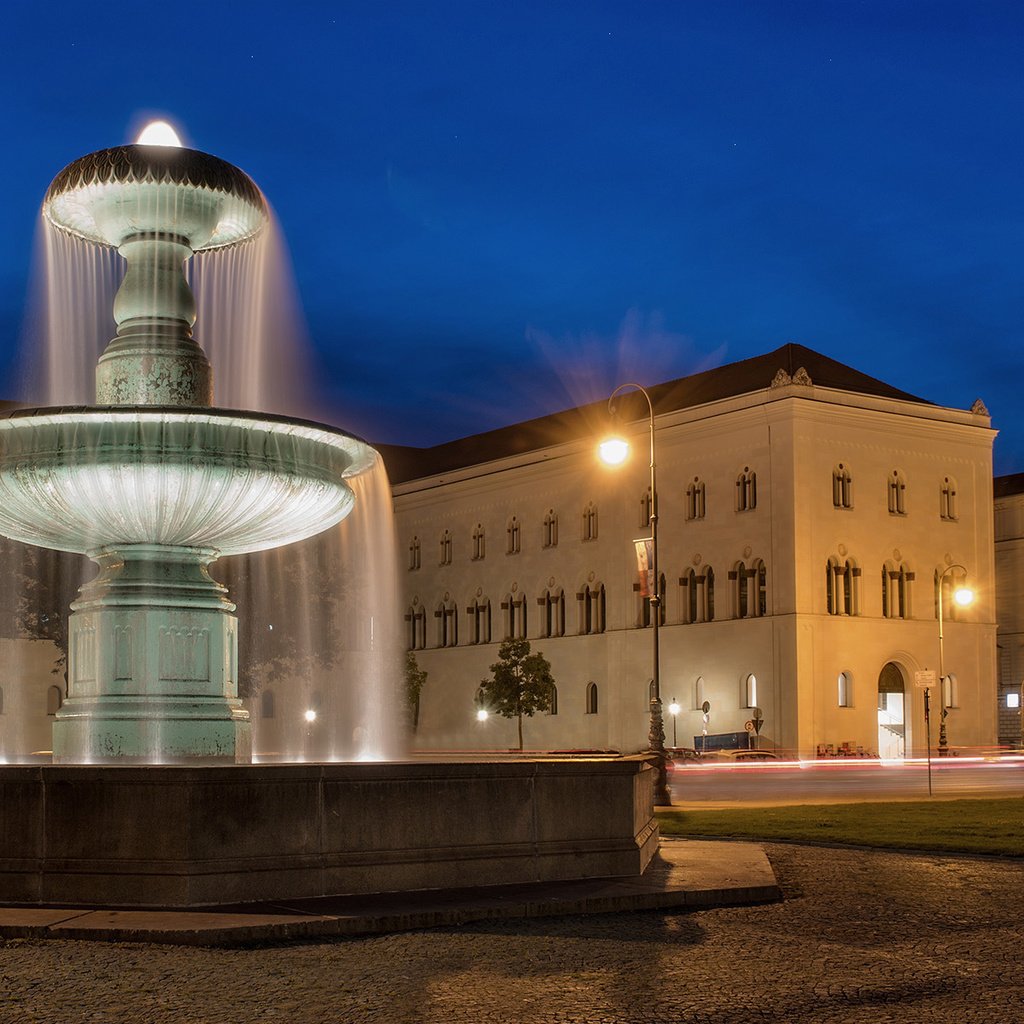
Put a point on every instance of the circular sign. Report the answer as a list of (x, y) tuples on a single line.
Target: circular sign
[(706, 706), (749, 726)]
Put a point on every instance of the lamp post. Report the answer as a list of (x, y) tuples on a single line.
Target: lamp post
[(673, 710), (614, 451), (963, 596)]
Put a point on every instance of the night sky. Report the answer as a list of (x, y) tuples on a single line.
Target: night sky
[(496, 210)]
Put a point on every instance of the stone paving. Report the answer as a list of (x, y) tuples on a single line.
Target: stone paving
[(861, 937)]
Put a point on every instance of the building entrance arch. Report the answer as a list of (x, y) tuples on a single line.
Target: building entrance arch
[(892, 707)]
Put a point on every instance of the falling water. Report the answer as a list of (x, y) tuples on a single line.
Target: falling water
[(318, 627)]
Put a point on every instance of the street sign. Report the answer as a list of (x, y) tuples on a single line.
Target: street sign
[(924, 679), (748, 725), (706, 706)]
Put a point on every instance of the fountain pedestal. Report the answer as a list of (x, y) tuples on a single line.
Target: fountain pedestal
[(152, 663)]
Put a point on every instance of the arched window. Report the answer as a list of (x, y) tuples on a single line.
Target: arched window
[(414, 554), (950, 691), (446, 548), (447, 616), (645, 508), (552, 608), (1, 700), (590, 522), (267, 704), (478, 542), (842, 582), (479, 614), (551, 529), (513, 609), (746, 490), (740, 586), (750, 691), (709, 594), (695, 504), (845, 683), (591, 698), (416, 619), (947, 499), (643, 617), (54, 700), (591, 608), (897, 494), (896, 582), (553, 705), (842, 487), (758, 588), (513, 532), (698, 693), (688, 596)]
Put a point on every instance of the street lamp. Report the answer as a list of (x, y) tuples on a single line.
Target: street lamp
[(673, 710), (962, 596), (614, 451)]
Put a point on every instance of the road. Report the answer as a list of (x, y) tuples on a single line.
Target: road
[(844, 780)]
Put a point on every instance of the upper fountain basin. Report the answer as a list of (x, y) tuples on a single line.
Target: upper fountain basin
[(82, 479), (115, 194)]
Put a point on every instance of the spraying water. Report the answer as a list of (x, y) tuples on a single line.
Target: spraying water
[(319, 643)]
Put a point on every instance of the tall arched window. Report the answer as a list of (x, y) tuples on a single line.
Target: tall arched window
[(447, 616), (695, 503), (951, 582), (750, 691), (845, 690), (414, 554), (897, 494), (740, 587), (842, 582), (552, 609), (267, 704), (591, 608), (759, 588), (643, 616), (513, 532), (551, 529), (947, 499), (709, 594), (896, 582), (54, 700), (590, 522), (842, 487), (591, 698), (479, 615), (513, 609), (446, 548), (478, 542), (553, 705), (688, 596), (746, 490), (698, 693), (416, 619)]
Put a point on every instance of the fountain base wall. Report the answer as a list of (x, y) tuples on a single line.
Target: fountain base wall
[(194, 836)]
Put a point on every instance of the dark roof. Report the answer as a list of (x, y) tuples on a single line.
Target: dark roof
[(740, 378), (1004, 486)]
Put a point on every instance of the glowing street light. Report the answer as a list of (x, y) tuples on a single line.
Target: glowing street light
[(310, 715), (614, 451), (482, 715), (673, 710), (962, 596)]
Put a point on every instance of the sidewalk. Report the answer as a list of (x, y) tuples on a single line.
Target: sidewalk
[(684, 874)]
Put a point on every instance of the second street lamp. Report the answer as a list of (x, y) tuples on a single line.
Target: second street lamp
[(962, 596), (615, 451)]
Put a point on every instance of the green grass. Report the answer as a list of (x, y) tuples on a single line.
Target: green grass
[(960, 826)]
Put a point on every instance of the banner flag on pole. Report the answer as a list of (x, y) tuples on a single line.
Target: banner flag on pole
[(645, 565)]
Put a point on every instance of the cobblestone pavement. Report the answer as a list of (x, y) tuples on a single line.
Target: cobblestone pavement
[(861, 937)]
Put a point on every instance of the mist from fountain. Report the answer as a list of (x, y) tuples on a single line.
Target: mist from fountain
[(318, 619)]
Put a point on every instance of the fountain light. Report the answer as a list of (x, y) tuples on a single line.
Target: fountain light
[(158, 133)]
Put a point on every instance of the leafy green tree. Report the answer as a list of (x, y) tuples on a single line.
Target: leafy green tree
[(415, 677), (521, 683)]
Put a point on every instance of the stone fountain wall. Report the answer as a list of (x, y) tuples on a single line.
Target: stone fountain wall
[(190, 836)]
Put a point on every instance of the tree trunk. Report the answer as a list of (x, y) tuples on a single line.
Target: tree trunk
[(520, 731)]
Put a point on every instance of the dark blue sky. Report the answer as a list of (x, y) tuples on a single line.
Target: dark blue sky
[(498, 209)]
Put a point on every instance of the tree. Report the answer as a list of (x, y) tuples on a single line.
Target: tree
[(521, 683), (415, 677)]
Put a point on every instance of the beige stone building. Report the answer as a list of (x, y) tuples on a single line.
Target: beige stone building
[(1009, 541), (807, 514)]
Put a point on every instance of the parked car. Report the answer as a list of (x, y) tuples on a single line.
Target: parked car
[(680, 757)]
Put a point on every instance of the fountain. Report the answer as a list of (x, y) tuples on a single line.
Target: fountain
[(153, 484), (149, 801)]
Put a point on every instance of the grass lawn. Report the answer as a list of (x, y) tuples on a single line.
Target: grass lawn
[(961, 826)]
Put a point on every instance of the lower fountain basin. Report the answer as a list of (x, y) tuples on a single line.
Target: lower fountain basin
[(82, 479)]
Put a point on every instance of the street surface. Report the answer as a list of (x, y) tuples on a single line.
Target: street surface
[(766, 782), (861, 938)]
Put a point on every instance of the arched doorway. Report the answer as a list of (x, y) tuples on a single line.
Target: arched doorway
[(892, 726)]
